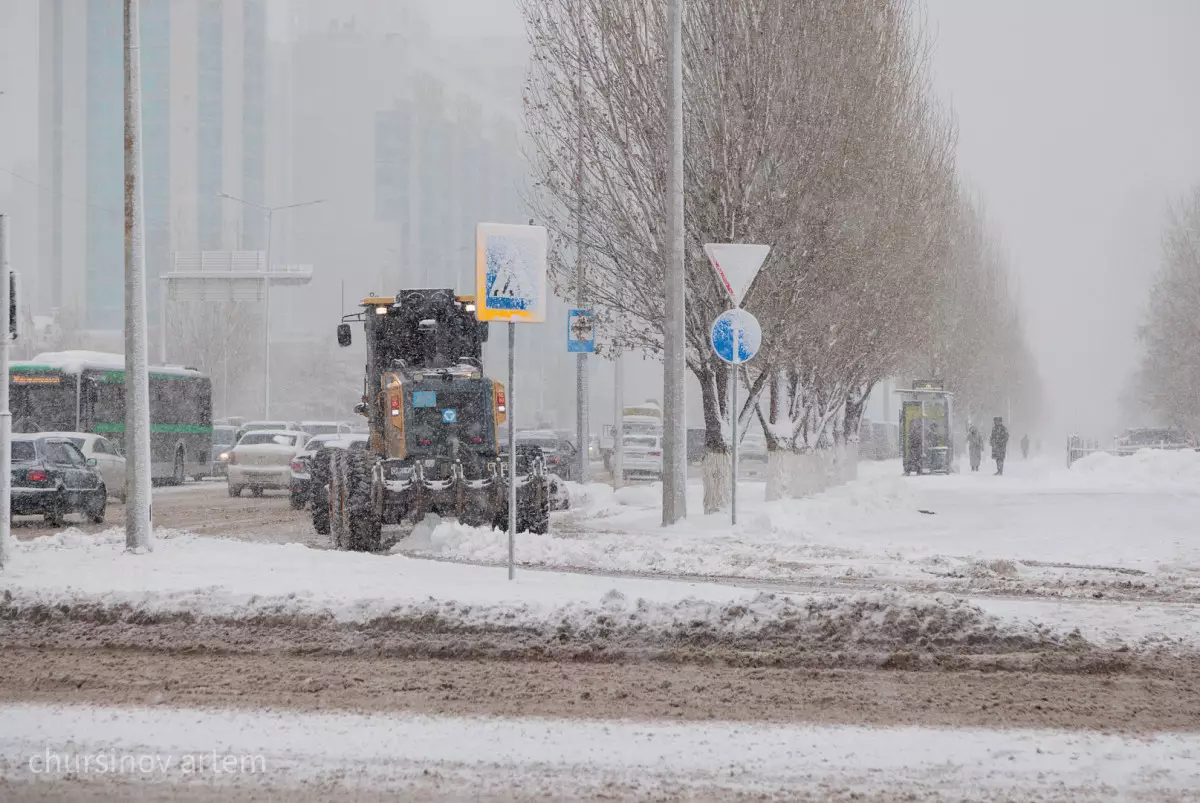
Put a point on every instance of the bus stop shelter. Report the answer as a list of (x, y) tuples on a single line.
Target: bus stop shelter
[(927, 428)]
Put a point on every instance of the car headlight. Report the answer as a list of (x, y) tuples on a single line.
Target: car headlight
[(223, 456)]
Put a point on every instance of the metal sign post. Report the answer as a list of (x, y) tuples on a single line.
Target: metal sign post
[(736, 338), (5, 413), (512, 449), (510, 285), (581, 341)]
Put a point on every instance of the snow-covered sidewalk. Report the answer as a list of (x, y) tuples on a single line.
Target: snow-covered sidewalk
[(1109, 526), (562, 759)]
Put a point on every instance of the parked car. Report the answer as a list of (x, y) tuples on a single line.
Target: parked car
[(643, 456), (325, 427), (223, 440), (109, 462), (262, 460), (301, 465), (559, 453), (51, 477)]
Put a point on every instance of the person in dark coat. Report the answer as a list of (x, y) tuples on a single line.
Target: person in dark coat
[(914, 461), (1025, 447), (999, 442), (975, 446)]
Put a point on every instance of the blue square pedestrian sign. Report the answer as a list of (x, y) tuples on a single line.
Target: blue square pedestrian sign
[(449, 416), (581, 331), (424, 398)]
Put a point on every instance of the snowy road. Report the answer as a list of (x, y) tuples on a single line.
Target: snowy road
[(1033, 636), (304, 755)]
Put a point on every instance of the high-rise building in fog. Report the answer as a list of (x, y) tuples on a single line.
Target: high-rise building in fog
[(203, 132)]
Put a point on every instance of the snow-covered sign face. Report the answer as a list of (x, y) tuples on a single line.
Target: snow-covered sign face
[(510, 273), (736, 265)]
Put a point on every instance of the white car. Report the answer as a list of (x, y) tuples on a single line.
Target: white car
[(643, 456), (109, 461), (262, 460)]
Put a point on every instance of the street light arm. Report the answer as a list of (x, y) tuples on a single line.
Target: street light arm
[(293, 206), (268, 209), (243, 201)]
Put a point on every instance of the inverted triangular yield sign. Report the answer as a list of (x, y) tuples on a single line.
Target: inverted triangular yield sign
[(736, 265)]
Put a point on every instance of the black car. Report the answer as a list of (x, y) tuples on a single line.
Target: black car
[(50, 476), (561, 457)]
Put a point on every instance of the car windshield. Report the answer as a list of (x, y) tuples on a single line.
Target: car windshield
[(267, 438), (316, 428), (318, 441), (23, 451), (223, 436), (547, 444)]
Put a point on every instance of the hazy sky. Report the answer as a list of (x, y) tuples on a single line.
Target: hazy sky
[(1079, 122)]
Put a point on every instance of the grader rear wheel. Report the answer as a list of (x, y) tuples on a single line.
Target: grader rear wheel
[(362, 508), (337, 500)]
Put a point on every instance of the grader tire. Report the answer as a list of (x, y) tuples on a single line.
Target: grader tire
[(319, 492), (362, 508), (537, 509), (337, 500)]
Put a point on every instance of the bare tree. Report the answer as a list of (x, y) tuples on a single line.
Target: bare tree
[(221, 338), (810, 127), (1170, 374)]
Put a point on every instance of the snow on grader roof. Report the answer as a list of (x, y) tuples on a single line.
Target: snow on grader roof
[(77, 361)]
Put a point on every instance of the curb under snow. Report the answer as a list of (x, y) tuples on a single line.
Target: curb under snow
[(192, 580)]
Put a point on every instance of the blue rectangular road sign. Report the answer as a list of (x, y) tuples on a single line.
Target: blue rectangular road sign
[(581, 331), (424, 398)]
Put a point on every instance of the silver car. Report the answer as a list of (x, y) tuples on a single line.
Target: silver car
[(643, 456)]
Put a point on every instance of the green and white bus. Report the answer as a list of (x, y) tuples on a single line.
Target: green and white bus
[(83, 391)]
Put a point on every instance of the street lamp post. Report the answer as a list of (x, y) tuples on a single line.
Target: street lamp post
[(270, 210)]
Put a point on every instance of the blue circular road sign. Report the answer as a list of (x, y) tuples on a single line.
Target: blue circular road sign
[(739, 325)]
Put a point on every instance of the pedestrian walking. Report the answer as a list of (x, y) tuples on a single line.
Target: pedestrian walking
[(1025, 447), (975, 446), (999, 442)]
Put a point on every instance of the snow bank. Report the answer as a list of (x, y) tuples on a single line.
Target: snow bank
[(1147, 467), (91, 577)]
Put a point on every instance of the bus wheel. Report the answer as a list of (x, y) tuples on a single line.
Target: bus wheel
[(177, 474)]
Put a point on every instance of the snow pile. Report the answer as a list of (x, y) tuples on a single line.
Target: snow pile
[(621, 532), (80, 577), (1146, 467)]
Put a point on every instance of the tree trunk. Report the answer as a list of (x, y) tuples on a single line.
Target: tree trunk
[(716, 468), (855, 403)]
